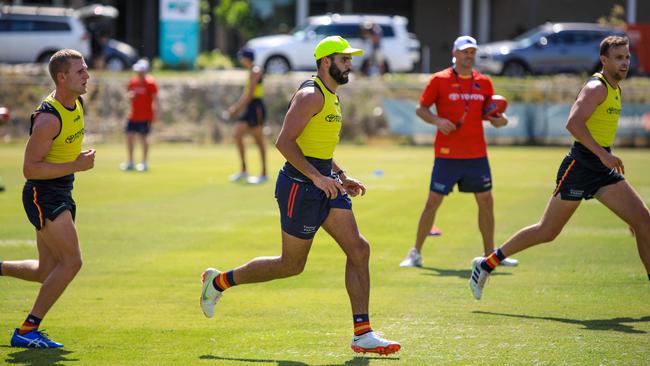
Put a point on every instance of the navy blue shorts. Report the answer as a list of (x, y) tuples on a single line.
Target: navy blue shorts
[(255, 113), (472, 175), (42, 202), (582, 174), (303, 206), (141, 127)]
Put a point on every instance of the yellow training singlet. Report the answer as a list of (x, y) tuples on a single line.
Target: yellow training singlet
[(321, 134), (602, 124), (258, 93), (66, 146)]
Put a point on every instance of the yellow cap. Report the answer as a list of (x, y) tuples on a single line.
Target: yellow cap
[(334, 44)]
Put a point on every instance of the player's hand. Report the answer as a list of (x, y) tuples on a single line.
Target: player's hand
[(85, 160), (354, 187), (330, 186), (446, 126), (498, 120), (613, 162)]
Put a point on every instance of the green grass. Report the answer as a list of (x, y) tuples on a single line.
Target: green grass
[(146, 237)]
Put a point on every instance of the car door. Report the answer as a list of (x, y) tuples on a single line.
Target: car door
[(557, 55)]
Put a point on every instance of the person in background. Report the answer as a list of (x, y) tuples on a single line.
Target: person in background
[(143, 94)]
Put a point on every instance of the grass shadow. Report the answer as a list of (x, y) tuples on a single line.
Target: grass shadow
[(39, 357), (614, 324), (355, 361), (460, 273)]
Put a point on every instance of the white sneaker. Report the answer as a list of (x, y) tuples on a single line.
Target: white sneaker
[(209, 294), (257, 180), (478, 278), (509, 262), (142, 167), (239, 177), (127, 166), (413, 259), (371, 342)]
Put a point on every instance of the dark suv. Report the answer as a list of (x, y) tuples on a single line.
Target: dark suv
[(549, 48)]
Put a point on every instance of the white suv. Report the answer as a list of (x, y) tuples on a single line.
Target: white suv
[(282, 53), (34, 34)]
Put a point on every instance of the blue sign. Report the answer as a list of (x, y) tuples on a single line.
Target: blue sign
[(179, 32)]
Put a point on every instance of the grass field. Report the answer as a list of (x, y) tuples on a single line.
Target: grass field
[(146, 237)]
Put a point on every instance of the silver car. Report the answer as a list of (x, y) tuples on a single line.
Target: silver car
[(549, 48)]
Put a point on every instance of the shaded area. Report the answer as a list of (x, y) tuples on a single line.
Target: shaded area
[(355, 361), (460, 273), (614, 324), (39, 356)]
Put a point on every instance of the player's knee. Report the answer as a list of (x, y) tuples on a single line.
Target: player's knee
[(72, 264), (294, 268), (433, 202), (360, 253), (548, 234)]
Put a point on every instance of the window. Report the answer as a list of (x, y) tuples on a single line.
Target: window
[(343, 30), (26, 25)]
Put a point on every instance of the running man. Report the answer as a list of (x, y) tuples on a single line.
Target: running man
[(252, 120), (312, 190), (459, 93), (143, 94), (52, 155), (589, 170)]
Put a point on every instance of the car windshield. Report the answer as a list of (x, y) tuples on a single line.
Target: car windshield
[(300, 31), (530, 37)]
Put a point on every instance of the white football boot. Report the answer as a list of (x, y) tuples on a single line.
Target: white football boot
[(373, 343), (509, 262), (413, 259), (478, 278), (238, 177), (209, 294)]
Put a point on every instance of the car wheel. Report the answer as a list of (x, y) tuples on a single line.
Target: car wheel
[(514, 69), (115, 64), (277, 65), (45, 57)]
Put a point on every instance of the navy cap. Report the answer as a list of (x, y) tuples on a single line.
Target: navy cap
[(246, 53)]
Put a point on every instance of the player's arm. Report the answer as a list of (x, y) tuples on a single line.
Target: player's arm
[(253, 79), (306, 103), (351, 185), (46, 127), (593, 93), (444, 125)]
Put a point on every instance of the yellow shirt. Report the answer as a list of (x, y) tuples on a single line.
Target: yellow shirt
[(66, 146), (602, 124), (258, 93), (321, 134)]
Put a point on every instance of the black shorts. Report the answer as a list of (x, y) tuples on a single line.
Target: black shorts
[(471, 175), (303, 206), (141, 127), (255, 113), (582, 174), (46, 202)]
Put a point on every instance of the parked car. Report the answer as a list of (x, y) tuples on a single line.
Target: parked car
[(282, 53), (34, 34), (548, 48)]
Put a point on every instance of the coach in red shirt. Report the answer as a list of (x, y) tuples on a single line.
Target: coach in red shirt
[(459, 93), (142, 91)]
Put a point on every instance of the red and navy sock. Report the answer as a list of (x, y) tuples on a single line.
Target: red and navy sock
[(361, 324), (493, 260), (32, 322), (224, 281)]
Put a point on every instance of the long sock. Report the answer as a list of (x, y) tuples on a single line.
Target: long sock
[(224, 281), (648, 276), (32, 322), (0, 268), (361, 324), (493, 260)]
